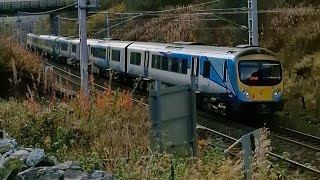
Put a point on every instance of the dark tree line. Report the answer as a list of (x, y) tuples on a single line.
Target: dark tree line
[(144, 5)]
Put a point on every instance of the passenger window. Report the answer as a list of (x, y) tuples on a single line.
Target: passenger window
[(102, 53), (225, 71), (175, 65), (158, 62), (64, 46), (74, 48), (135, 58), (138, 59), (154, 61), (206, 69), (98, 52), (184, 66), (115, 55), (165, 63)]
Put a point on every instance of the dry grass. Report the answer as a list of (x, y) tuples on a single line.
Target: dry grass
[(113, 133), (24, 61)]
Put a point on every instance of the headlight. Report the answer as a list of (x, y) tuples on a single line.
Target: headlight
[(246, 93), (277, 92)]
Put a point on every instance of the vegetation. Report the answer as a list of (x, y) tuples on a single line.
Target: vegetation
[(111, 132), (13, 56)]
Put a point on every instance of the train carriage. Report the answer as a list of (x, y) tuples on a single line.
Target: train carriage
[(227, 78), (63, 48)]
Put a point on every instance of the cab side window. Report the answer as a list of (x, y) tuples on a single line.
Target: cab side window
[(206, 69)]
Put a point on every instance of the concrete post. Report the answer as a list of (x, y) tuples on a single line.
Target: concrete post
[(253, 22), (82, 9)]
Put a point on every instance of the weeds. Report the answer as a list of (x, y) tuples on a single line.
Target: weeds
[(13, 56)]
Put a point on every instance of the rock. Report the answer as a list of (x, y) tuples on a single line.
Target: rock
[(85, 176), (97, 174), (73, 174), (35, 157), (4, 156), (31, 173), (52, 175), (100, 175), (7, 144), (48, 161), (67, 165), (10, 164), (14, 160), (21, 154)]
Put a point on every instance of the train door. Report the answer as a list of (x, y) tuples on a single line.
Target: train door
[(195, 65), (146, 63), (108, 57), (225, 75), (56, 47), (206, 74)]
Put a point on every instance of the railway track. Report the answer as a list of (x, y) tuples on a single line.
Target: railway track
[(290, 139), (234, 131), (74, 78), (302, 139)]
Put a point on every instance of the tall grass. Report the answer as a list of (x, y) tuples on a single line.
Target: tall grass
[(24, 61), (112, 133)]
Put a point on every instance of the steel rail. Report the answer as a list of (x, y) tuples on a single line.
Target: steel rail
[(297, 142), (95, 84), (270, 153), (300, 133)]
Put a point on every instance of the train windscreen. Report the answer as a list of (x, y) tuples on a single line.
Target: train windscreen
[(260, 73)]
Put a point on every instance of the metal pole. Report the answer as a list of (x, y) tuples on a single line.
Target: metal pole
[(193, 112), (253, 22), (108, 24), (20, 29), (82, 8), (158, 114), (59, 25), (121, 21)]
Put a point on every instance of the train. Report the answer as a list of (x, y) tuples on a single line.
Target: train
[(227, 79)]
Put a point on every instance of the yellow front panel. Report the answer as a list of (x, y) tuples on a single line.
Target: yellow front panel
[(259, 93)]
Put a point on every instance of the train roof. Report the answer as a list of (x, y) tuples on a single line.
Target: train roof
[(179, 47), (51, 37), (149, 46), (198, 49)]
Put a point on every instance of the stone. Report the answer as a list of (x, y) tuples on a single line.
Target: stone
[(85, 176), (100, 175), (52, 175), (35, 157), (11, 164), (21, 154), (35, 164), (73, 174), (67, 165), (48, 161), (97, 174), (5, 156), (7, 144), (31, 173)]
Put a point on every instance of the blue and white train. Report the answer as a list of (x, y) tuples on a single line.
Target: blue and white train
[(227, 78)]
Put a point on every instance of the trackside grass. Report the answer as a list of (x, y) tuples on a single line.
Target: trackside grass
[(112, 133)]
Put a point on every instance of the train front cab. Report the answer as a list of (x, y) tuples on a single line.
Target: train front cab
[(260, 83)]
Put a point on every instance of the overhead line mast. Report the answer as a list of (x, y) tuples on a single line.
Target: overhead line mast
[(84, 54), (253, 22)]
